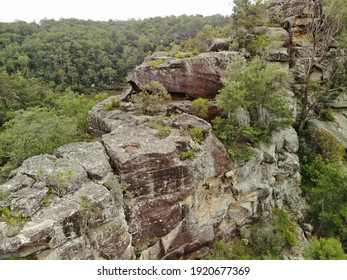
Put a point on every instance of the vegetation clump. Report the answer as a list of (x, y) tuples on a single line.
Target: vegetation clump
[(114, 105), (197, 134), (252, 104), (163, 130), (190, 155), (200, 107), (152, 97), (156, 62), (13, 220), (265, 239), (324, 249)]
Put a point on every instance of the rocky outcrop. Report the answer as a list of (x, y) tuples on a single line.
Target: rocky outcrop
[(61, 208), (197, 76), (163, 196)]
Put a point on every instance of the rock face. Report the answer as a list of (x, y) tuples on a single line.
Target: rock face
[(66, 210), (197, 76), (163, 196)]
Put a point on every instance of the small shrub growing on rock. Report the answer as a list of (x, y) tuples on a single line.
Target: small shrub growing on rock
[(200, 107), (115, 104), (197, 134), (155, 63), (151, 98), (163, 130), (326, 144), (4, 194), (190, 154), (10, 218)]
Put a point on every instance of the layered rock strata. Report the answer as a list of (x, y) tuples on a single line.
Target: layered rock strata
[(139, 191)]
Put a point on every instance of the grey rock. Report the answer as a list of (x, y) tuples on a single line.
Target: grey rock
[(18, 182), (60, 174), (27, 200), (91, 156), (219, 44)]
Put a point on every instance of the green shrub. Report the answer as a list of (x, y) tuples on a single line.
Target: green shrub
[(218, 251), (200, 107), (326, 144), (326, 186), (163, 130), (180, 55), (197, 134), (256, 133), (190, 154), (324, 249), (252, 104), (265, 239), (241, 153), (151, 98), (270, 236), (10, 218), (327, 115), (155, 63), (115, 104)]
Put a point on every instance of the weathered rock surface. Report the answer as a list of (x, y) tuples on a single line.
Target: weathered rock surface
[(160, 202), (64, 214), (337, 128), (157, 175), (197, 76), (219, 44)]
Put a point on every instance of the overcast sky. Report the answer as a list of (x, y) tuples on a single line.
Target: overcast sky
[(35, 10)]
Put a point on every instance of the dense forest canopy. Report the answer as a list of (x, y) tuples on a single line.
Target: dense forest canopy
[(88, 55)]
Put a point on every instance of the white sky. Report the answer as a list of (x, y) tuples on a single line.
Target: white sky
[(35, 10)]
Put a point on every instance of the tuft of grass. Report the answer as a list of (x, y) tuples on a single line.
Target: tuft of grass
[(115, 104), (155, 63), (190, 154), (197, 134), (163, 130)]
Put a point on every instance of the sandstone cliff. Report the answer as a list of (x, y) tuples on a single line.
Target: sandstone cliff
[(137, 193), (134, 191)]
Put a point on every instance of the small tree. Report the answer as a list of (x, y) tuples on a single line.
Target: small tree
[(252, 102)]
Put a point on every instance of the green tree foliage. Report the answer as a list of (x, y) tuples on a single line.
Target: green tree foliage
[(35, 131), (252, 102), (264, 239), (324, 249), (246, 15), (326, 185)]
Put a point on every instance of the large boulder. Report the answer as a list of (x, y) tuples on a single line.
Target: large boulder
[(196, 76), (158, 175)]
